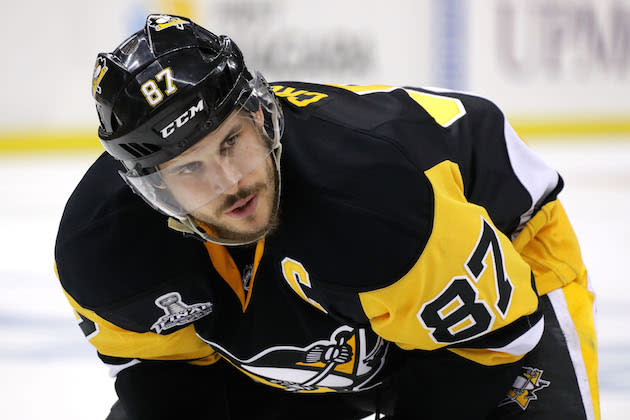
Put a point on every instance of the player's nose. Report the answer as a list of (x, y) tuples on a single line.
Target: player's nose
[(226, 178)]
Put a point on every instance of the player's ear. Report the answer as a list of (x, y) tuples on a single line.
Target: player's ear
[(159, 183), (259, 118)]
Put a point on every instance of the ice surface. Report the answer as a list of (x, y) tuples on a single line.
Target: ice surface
[(49, 371)]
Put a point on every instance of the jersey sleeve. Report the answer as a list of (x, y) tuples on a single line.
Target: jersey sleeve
[(469, 290), (499, 171), (174, 390), (518, 190), (550, 246), (120, 348), (118, 263)]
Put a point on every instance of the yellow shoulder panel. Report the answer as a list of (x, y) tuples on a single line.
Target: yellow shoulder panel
[(550, 246), (468, 281), (445, 110), (111, 340)]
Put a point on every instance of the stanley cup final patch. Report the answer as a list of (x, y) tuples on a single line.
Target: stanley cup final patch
[(177, 312)]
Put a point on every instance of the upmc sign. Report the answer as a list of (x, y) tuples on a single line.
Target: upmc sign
[(567, 39), (552, 60)]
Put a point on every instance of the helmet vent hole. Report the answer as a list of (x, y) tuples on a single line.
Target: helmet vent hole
[(115, 122), (130, 46), (152, 147), (131, 150), (100, 116), (140, 150)]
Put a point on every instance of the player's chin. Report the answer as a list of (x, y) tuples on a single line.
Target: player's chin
[(249, 228), (244, 235), (253, 228), (252, 225)]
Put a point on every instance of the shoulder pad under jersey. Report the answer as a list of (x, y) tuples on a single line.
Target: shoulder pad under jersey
[(116, 256)]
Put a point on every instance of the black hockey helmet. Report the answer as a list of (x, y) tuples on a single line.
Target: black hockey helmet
[(164, 89), (167, 86)]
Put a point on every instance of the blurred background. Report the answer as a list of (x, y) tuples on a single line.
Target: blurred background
[(560, 70)]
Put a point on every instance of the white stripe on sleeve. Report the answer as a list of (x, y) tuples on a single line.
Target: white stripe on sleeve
[(536, 176)]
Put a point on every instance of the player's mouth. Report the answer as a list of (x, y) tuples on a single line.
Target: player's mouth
[(243, 207)]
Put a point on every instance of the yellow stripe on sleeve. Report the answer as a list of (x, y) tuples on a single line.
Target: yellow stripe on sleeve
[(115, 341), (579, 302)]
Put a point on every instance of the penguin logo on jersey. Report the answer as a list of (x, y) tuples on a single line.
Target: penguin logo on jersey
[(347, 361), (177, 312), (161, 22), (525, 387), (100, 68)]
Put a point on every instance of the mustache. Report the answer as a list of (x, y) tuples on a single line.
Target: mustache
[(231, 199)]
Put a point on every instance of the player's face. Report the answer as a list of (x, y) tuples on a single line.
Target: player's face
[(233, 166)]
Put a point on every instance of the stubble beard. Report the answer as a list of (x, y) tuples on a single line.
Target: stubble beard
[(224, 232)]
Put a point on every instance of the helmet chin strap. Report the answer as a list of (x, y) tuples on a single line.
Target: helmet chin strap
[(188, 224)]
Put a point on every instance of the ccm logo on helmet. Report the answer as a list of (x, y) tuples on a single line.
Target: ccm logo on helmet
[(182, 119)]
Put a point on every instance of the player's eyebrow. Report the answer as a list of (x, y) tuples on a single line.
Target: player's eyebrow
[(181, 160), (234, 130)]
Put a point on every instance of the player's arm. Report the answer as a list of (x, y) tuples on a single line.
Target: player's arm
[(549, 245), (173, 390), (487, 309), (520, 192), (115, 257), (115, 341), (157, 375), (469, 290)]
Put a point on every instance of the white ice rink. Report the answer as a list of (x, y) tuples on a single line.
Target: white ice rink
[(49, 371)]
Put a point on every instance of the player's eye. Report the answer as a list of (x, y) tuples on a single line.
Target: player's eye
[(188, 168), (228, 144)]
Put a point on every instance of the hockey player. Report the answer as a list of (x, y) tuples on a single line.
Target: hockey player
[(318, 251)]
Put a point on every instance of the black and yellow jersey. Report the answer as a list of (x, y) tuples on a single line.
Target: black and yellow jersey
[(409, 219)]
